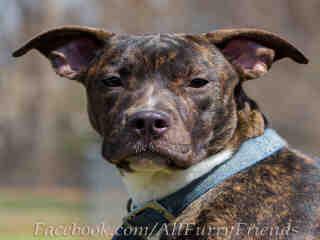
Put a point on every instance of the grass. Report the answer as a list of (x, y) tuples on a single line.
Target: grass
[(20, 209)]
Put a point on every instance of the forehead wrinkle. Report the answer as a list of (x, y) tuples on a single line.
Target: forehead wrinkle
[(176, 55), (162, 48), (126, 51), (133, 52)]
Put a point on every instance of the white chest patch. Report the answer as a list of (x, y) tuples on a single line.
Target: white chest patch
[(153, 182)]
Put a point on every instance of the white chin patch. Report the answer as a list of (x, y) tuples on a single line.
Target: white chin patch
[(152, 179)]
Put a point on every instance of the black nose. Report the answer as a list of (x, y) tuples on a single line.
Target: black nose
[(149, 123)]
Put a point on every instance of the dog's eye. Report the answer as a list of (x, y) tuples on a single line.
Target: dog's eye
[(113, 81), (198, 82)]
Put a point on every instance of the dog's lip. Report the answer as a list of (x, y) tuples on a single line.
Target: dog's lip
[(166, 152), (147, 160), (146, 153)]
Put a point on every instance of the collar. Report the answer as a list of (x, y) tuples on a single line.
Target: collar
[(149, 218)]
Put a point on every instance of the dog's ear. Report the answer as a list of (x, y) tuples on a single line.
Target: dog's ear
[(70, 49), (252, 51)]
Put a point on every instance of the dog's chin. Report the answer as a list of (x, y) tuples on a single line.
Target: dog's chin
[(149, 157), (148, 162)]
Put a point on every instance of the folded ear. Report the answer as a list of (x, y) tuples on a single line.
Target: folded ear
[(70, 49), (252, 51)]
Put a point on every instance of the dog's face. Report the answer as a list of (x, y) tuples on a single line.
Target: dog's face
[(165, 95), (168, 98)]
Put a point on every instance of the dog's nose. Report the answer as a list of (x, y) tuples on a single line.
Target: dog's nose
[(149, 123)]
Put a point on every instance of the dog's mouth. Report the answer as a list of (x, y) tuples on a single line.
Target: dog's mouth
[(148, 156), (147, 161)]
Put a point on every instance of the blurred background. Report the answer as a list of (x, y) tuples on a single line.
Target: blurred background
[(50, 164)]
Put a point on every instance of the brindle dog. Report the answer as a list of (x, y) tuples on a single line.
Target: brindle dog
[(165, 102)]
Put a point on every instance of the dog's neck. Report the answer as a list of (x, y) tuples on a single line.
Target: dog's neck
[(144, 186)]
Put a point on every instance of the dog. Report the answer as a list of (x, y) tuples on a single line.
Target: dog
[(194, 151)]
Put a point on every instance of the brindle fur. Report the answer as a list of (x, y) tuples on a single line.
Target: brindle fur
[(283, 188)]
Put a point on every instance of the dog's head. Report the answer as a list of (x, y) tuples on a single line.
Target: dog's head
[(172, 98)]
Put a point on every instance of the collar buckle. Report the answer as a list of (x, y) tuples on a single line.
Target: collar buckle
[(155, 207)]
